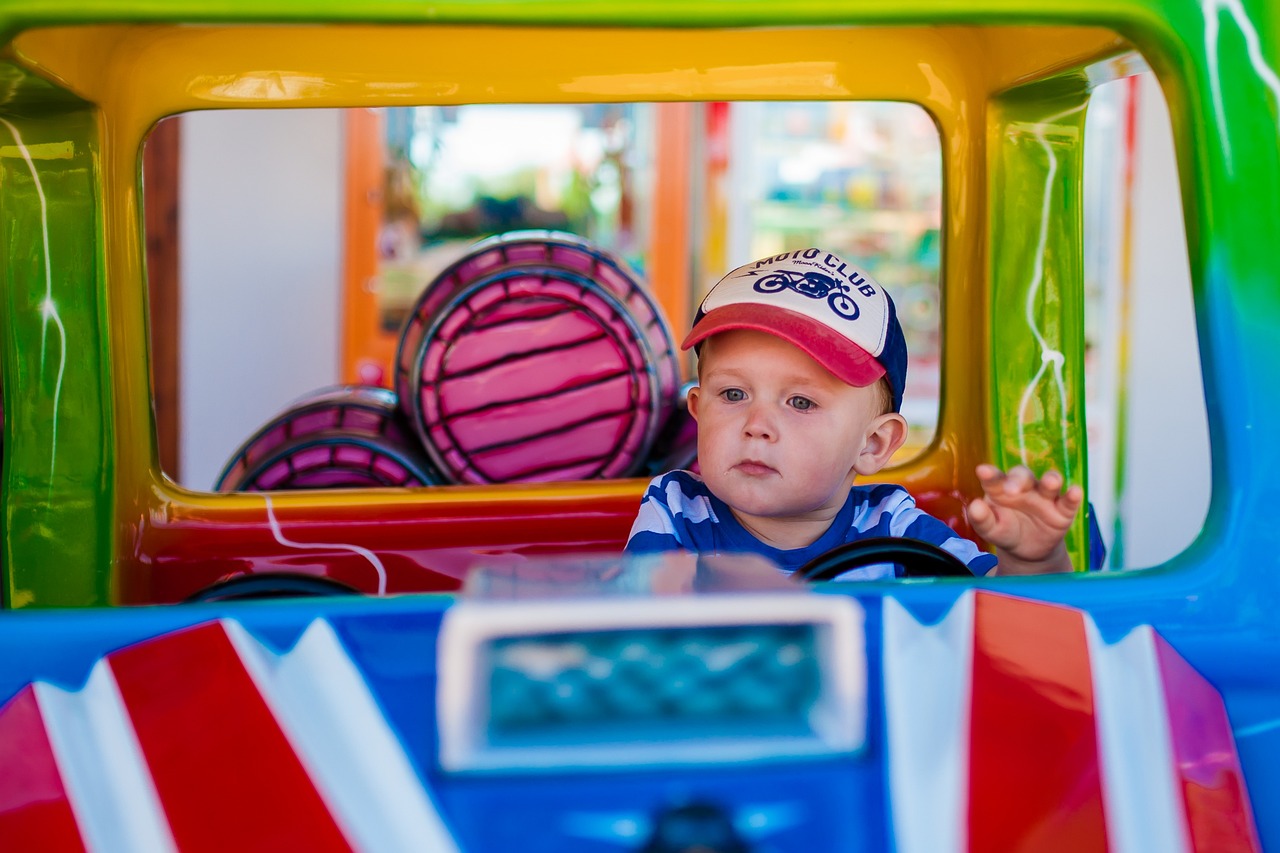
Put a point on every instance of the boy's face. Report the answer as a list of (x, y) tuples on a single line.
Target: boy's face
[(780, 437)]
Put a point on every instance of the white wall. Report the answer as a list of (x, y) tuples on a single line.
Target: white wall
[(1166, 496), (261, 237)]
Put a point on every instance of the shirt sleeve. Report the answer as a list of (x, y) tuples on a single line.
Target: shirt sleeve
[(892, 511), (655, 529), (929, 529)]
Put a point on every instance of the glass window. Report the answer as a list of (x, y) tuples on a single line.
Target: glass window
[(1149, 465), (307, 237)]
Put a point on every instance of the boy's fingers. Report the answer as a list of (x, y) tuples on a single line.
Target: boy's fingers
[(1073, 499), (1019, 479), (979, 513), (989, 475), (1050, 484)]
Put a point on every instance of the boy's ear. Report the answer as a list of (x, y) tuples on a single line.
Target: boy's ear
[(692, 401), (884, 436)]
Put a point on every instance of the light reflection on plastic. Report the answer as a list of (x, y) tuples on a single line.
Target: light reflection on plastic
[(1048, 355), (1213, 9), (268, 86), (310, 546), (48, 309)]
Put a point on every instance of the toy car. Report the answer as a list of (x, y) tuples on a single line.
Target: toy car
[(600, 705)]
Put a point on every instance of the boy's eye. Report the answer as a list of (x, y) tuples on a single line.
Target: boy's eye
[(802, 404), (733, 395)]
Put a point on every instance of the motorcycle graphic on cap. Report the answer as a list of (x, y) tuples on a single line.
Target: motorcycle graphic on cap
[(814, 285)]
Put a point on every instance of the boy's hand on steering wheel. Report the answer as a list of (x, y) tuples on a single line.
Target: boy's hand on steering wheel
[(1025, 518)]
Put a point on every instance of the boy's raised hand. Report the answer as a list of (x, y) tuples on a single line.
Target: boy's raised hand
[(1025, 518)]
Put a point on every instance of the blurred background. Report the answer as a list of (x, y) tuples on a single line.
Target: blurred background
[(286, 249)]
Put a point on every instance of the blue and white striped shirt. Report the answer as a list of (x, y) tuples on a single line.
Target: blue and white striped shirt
[(679, 513)]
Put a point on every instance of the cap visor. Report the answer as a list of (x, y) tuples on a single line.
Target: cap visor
[(845, 359)]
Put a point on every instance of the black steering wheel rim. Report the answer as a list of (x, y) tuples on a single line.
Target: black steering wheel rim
[(271, 585), (918, 559)]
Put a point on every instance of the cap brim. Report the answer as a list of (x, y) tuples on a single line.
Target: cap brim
[(845, 359)]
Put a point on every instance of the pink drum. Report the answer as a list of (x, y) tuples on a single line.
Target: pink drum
[(350, 436), (537, 357)]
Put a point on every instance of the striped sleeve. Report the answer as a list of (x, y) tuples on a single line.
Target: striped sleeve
[(891, 511), (657, 526)]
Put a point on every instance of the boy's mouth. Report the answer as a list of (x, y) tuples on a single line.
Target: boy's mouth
[(754, 468)]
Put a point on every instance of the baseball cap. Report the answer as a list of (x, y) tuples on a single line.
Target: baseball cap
[(828, 307)]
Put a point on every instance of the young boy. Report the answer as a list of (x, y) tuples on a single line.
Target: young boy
[(801, 368)]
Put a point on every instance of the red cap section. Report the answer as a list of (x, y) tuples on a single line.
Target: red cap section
[(845, 359)]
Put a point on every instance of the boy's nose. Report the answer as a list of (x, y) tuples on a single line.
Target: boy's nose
[(760, 423)]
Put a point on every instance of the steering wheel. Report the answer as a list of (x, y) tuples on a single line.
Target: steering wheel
[(271, 585), (918, 559)]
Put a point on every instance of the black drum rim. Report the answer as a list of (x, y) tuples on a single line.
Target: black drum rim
[(667, 361), (333, 438), (411, 401), (376, 400)]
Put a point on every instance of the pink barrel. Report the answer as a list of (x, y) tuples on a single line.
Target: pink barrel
[(349, 436), (536, 357)]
